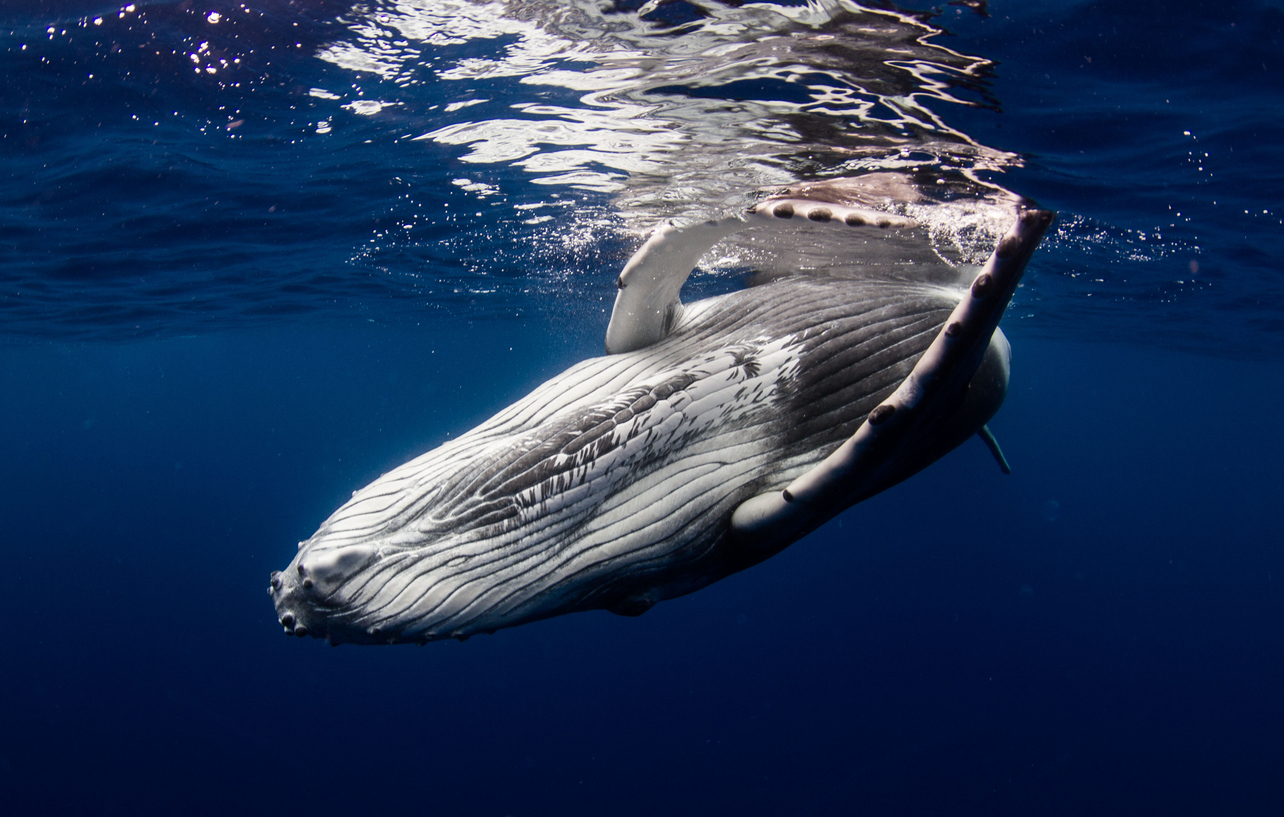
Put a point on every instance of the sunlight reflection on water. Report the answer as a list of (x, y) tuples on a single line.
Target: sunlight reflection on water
[(744, 99)]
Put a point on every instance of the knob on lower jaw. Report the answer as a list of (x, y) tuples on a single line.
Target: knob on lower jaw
[(292, 626), (287, 622), (286, 590)]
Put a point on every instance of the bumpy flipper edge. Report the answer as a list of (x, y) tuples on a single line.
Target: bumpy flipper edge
[(647, 306), (937, 383)]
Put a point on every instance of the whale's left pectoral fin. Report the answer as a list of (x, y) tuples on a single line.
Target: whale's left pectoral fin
[(924, 403), (647, 305)]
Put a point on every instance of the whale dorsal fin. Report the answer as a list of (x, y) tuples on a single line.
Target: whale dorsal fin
[(647, 305)]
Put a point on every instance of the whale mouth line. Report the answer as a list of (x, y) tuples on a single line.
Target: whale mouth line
[(304, 617)]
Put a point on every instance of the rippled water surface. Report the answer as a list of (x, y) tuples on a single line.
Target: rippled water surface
[(252, 255), (176, 167)]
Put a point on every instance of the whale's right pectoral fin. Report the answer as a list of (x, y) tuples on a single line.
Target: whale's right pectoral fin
[(924, 406)]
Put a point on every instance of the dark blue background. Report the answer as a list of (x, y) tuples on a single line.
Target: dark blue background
[(958, 644), (1101, 632)]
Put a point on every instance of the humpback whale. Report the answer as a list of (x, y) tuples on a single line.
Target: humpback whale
[(711, 436)]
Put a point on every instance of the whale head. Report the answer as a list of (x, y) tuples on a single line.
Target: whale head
[(412, 558), (362, 594)]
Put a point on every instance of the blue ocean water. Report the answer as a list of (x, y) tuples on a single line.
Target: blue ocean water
[(256, 254)]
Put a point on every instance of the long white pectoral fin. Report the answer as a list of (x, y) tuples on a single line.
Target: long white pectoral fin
[(937, 383), (647, 304)]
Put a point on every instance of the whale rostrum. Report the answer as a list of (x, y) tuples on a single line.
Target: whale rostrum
[(710, 437)]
